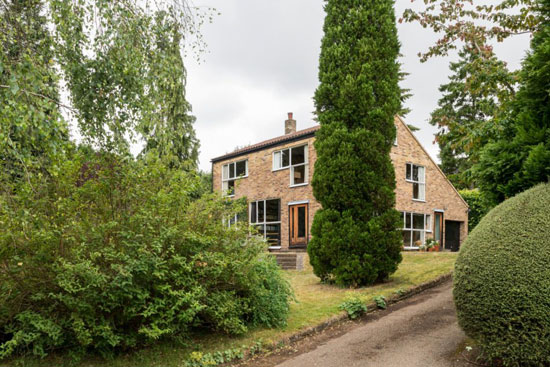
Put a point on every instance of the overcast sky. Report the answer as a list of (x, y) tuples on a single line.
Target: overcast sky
[(262, 62)]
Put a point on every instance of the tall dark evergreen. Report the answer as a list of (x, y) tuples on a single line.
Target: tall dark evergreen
[(355, 237), (467, 112), (521, 158)]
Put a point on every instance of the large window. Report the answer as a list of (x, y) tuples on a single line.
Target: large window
[(297, 160), (266, 216), (416, 175), (415, 227), (230, 173), (233, 220)]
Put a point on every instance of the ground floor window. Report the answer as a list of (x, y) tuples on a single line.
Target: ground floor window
[(233, 220), (265, 215), (415, 227)]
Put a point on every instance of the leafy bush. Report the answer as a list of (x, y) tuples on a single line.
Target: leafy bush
[(380, 302), (479, 206), (502, 280), (115, 253), (354, 307)]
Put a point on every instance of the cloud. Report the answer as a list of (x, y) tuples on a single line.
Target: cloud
[(262, 62)]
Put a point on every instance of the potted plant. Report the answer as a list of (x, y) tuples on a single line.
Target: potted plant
[(431, 245)]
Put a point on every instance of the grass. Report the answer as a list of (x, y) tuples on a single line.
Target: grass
[(315, 303)]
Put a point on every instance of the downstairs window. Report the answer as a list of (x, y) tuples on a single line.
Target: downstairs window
[(265, 215), (415, 227)]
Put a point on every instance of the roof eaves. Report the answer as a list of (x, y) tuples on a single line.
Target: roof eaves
[(299, 135), (431, 159)]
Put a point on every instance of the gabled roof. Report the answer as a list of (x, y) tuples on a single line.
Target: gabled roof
[(306, 133), (400, 119), (283, 139)]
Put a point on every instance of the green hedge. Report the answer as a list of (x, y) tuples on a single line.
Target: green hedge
[(478, 206), (114, 254), (502, 281)]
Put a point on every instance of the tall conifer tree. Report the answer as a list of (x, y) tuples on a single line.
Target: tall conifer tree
[(520, 158), (355, 237)]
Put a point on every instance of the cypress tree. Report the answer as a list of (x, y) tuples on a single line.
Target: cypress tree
[(355, 237)]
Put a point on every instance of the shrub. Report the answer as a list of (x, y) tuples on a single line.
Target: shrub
[(380, 302), (119, 254), (502, 280), (354, 307)]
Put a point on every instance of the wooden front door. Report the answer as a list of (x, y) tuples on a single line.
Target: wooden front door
[(298, 225), (438, 228)]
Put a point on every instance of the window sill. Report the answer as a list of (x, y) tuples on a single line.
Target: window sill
[(280, 169), (229, 196), (274, 247), (419, 200), (411, 248), (234, 178), (298, 185)]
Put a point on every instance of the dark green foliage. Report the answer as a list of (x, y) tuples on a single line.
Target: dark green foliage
[(521, 158), (355, 241), (477, 204), (115, 253), (465, 116), (502, 280)]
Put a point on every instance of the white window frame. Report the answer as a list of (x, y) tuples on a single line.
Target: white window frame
[(235, 178), (421, 180), (278, 155), (231, 222), (265, 222), (427, 228)]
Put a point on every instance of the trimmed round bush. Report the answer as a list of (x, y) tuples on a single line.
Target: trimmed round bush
[(502, 281)]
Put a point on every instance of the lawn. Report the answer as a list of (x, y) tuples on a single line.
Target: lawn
[(314, 304)]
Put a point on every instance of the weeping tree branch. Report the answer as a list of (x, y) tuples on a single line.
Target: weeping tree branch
[(42, 96)]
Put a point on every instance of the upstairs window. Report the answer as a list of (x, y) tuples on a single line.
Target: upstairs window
[(231, 172), (265, 215), (416, 175), (281, 159), (296, 159)]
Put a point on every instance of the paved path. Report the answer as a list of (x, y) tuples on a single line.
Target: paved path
[(425, 333)]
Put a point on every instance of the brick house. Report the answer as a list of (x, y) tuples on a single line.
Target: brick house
[(275, 177)]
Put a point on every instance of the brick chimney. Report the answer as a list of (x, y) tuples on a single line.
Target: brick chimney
[(290, 125)]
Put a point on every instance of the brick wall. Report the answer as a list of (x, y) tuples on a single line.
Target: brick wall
[(263, 183), (440, 193)]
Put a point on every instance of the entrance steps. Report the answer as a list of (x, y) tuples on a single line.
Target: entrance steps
[(291, 260)]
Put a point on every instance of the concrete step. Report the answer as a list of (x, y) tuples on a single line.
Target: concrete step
[(289, 260)]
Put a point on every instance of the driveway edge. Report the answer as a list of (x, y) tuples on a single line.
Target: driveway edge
[(371, 307), (335, 320)]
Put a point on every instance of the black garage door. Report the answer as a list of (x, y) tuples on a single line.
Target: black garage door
[(452, 235)]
